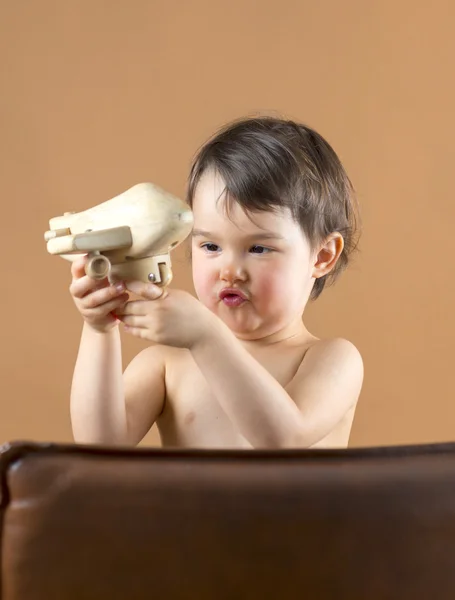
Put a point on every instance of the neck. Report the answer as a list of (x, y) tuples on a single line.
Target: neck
[(292, 330)]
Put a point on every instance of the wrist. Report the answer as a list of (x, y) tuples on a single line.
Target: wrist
[(105, 330), (212, 337)]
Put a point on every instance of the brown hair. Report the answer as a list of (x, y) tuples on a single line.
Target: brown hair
[(269, 163)]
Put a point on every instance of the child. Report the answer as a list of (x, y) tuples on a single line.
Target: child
[(274, 222)]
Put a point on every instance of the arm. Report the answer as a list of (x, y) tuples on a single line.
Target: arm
[(107, 407), (325, 387), (97, 398)]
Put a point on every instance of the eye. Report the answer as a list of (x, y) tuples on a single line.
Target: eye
[(260, 250), (210, 248)]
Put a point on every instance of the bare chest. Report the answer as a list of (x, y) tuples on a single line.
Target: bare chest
[(192, 417)]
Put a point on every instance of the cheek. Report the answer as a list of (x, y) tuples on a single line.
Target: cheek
[(278, 284), (203, 276), (269, 280)]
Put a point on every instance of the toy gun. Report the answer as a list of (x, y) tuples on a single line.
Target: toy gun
[(127, 237)]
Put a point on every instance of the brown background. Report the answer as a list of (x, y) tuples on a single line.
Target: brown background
[(99, 95)]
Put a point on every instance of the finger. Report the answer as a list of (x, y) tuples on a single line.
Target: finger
[(85, 285), (132, 320), (101, 297), (136, 307), (78, 267), (113, 305), (136, 331), (146, 290)]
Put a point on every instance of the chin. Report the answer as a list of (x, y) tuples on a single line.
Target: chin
[(248, 331)]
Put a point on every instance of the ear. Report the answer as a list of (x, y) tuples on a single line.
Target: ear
[(328, 254)]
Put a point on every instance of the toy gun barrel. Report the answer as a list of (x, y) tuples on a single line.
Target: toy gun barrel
[(88, 241)]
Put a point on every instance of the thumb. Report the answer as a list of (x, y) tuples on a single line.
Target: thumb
[(146, 290)]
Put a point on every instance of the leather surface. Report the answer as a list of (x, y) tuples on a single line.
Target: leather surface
[(89, 523)]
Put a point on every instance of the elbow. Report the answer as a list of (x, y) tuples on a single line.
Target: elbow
[(300, 438)]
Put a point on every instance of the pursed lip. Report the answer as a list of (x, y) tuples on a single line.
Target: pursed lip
[(232, 292)]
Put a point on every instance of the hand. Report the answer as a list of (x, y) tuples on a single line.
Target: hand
[(168, 317), (96, 300)]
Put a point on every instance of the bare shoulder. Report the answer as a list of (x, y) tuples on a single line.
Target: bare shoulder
[(334, 352), (331, 372), (146, 362)]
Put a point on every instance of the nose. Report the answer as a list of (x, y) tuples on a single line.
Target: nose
[(233, 270)]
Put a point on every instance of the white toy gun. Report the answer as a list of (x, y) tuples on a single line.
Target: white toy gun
[(127, 237)]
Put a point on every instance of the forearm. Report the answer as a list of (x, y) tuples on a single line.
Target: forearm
[(97, 395), (256, 403)]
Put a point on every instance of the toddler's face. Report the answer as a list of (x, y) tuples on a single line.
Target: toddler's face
[(253, 271)]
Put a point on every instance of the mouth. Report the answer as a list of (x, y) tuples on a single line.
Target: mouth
[(232, 297)]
